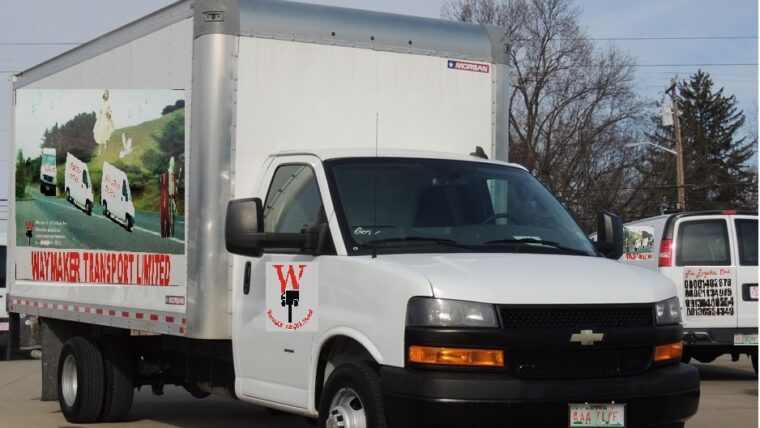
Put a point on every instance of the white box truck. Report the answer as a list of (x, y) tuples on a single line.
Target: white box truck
[(711, 256), (325, 261), (115, 196), (48, 172), (77, 184)]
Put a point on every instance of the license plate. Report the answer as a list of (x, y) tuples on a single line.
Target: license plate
[(3, 326), (745, 339), (753, 292), (597, 415)]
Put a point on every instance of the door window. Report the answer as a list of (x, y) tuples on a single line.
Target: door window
[(293, 203), (703, 243), (746, 234)]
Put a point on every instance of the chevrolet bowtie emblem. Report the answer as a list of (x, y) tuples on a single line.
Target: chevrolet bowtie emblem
[(587, 337)]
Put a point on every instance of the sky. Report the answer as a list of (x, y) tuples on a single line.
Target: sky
[(666, 32)]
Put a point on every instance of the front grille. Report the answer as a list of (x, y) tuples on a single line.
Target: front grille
[(574, 363), (575, 317)]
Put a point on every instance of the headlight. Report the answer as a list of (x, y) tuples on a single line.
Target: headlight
[(428, 312), (668, 311)]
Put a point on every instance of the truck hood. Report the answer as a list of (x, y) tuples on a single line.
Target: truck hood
[(535, 278)]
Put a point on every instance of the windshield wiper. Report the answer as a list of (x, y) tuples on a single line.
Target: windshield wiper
[(545, 243), (420, 239)]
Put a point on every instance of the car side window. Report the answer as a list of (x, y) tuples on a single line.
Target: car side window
[(293, 202), (703, 243), (746, 234)]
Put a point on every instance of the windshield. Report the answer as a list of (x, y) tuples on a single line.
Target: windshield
[(413, 205), (48, 160)]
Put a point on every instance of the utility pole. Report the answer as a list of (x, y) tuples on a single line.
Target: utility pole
[(679, 145)]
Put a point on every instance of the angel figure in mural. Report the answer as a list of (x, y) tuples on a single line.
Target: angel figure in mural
[(103, 123)]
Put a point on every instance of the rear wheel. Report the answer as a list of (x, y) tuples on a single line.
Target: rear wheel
[(80, 381), (119, 382), (68, 195), (130, 223), (105, 209), (88, 207), (352, 399)]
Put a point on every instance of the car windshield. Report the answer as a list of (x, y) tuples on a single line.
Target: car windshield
[(48, 160), (413, 205)]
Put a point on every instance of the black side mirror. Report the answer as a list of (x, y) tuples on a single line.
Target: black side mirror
[(244, 232), (609, 235), (244, 222)]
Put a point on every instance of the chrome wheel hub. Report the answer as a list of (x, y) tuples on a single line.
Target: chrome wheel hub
[(69, 380), (346, 410)]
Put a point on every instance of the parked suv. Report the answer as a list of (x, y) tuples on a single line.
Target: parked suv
[(711, 256)]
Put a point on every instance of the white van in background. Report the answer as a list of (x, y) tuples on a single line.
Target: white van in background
[(115, 196), (48, 177), (711, 256), (78, 186)]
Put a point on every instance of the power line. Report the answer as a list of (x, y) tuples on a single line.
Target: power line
[(674, 38)]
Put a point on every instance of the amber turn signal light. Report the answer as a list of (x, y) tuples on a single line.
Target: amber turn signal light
[(671, 351), (456, 356)]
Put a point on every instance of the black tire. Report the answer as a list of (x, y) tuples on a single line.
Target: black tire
[(754, 362), (195, 390), (118, 371), (88, 207), (68, 195), (130, 223), (105, 209), (357, 378), (87, 396)]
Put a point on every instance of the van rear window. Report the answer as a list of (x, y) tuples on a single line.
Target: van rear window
[(703, 243), (746, 233)]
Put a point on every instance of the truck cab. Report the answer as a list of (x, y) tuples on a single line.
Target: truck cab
[(48, 177), (442, 278)]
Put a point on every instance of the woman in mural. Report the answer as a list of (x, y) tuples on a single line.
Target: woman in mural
[(103, 123)]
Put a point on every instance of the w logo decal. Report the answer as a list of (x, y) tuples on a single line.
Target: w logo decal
[(292, 296)]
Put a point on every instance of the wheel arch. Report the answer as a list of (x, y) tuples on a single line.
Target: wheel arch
[(338, 346)]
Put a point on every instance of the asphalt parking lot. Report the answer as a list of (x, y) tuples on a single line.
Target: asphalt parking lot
[(729, 399)]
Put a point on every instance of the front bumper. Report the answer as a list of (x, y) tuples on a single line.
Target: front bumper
[(716, 337), (419, 398)]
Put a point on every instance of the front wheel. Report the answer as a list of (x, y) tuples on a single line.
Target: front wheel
[(130, 223), (80, 381), (352, 399), (88, 207)]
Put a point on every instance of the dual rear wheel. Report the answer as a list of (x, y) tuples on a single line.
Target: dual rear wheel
[(95, 383)]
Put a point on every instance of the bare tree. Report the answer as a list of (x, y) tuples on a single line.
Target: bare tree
[(573, 106)]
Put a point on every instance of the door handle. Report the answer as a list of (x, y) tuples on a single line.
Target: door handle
[(247, 279)]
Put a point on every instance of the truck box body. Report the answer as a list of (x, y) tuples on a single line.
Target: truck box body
[(249, 78)]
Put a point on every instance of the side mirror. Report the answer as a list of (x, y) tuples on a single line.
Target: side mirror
[(244, 222), (609, 235), (244, 231)]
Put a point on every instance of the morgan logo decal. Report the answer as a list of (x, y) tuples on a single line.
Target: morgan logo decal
[(468, 66), (292, 296)]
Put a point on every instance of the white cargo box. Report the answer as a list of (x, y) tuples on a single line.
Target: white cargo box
[(185, 105)]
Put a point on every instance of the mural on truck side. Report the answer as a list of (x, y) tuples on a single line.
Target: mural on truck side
[(639, 242), (100, 170)]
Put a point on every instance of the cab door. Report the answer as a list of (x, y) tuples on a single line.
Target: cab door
[(745, 235), (705, 271), (274, 366)]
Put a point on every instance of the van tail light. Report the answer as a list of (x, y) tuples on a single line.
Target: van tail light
[(666, 253)]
